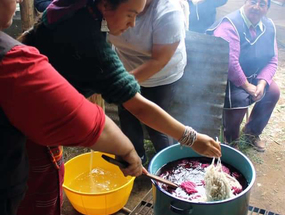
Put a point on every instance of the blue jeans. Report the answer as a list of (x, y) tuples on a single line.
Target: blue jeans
[(164, 96)]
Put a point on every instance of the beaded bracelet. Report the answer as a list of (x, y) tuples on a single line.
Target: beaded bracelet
[(189, 137)]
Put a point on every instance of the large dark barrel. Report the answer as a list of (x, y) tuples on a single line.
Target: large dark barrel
[(165, 203), (200, 98)]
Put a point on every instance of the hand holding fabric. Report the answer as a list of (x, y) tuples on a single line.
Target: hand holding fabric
[(207, 146)]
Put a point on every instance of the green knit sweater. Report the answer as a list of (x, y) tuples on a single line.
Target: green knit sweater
[(79, 51)]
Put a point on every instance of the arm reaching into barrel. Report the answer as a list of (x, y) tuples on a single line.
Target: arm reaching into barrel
[(152, 115)]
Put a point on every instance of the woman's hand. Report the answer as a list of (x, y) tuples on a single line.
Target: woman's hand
[(113, 141), (207, 146), (135, 164), (259, 90), (250, 88)]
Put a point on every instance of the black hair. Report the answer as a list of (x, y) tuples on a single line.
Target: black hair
[(114, 4), (268, 3)]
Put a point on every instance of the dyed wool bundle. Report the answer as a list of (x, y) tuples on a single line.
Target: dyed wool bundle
[(218, 184)]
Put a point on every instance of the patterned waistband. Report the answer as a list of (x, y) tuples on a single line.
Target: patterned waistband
[(56, 155)]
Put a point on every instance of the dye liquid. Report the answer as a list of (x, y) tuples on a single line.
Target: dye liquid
[(191, 172)]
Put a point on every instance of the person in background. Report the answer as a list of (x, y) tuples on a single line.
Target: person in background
[(39, 104), (73, 37), (157, 59), (203, 14), (41, 5), (252, 65)]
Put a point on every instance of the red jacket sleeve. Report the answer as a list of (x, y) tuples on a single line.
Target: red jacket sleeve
[(43, 105)]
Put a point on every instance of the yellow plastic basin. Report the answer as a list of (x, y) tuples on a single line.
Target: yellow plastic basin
[(96, 201)]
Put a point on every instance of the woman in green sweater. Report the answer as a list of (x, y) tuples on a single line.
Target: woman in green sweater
[(73, 36), (77, 48)]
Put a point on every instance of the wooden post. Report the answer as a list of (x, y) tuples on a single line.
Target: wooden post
[(27, 14), (97, 99)]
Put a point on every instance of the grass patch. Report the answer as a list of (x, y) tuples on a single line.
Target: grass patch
[(247, 150), (244, 147), (149, 151)]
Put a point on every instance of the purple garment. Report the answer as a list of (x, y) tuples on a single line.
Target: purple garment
[(61, 9), (235, 74)]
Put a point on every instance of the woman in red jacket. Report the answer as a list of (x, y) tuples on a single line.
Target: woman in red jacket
[(32, 106), (73, 38)]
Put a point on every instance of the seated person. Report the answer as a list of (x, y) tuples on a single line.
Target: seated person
[(252, 65), (203, 14)]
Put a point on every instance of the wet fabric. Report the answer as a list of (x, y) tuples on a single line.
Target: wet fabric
[(189, 187)]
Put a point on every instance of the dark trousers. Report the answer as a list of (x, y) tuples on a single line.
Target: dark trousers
[(164, 96), (258, 119), (9, 206)]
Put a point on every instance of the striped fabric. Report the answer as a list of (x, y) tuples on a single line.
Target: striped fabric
[(44, 195), (56, 155)]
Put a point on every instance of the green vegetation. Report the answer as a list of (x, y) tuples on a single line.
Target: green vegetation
[(247, 149)]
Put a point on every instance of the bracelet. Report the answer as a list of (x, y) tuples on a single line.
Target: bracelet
[(189, 137)]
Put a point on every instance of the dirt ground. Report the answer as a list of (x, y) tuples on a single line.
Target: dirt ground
[(268, 191)]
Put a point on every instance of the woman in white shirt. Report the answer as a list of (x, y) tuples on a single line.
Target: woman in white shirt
[(154, 52)]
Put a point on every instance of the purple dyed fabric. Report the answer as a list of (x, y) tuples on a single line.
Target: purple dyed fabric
[(189, 187), (59, 10)]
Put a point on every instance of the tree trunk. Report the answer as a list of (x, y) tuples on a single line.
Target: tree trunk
[(27, 14)]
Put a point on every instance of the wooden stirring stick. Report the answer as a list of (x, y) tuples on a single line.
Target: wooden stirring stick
[(124, 164), (159, 179)]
